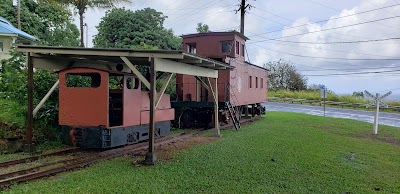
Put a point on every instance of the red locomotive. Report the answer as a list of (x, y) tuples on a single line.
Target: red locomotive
[(243, 87), (115, 111)]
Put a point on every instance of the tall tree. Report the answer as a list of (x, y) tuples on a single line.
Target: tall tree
[(48, 21), (139, 29), (202, 28), (82, 5), (283, 75)]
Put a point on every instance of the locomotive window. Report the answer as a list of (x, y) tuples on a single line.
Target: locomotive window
[(256, 82), (250, 81), (83, 80), (115, 82), (132, 83), (237, 47), (226, 46)]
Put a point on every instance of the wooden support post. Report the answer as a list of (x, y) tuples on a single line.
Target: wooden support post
[(45, 98), (29, 130), (151, 157), (217, 132)]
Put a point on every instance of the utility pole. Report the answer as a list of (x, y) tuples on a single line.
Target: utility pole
[(19, 14), (242, 8), (17, 3), (87, 34), (377, 102)]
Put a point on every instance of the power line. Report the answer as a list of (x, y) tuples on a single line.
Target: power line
[(206, 16), (324, 61), (334, 58), (350, 70), (339, 27), (342, 42), (210, 4), (321, 21), (341, 51), (355, 73), (360, 17)]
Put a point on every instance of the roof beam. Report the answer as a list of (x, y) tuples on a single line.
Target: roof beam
[(182, 68), (117, 53)]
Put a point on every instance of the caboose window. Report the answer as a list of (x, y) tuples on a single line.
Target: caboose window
[(83, 80), (191, 48), (262, 82), (250, 80), (237, 47), (256, 82), (242, 50), (226, 46)]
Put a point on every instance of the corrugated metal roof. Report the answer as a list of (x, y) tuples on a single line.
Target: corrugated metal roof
[(7, 28)]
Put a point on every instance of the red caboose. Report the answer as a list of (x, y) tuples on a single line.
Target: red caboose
[(103, 109), (244, 86)]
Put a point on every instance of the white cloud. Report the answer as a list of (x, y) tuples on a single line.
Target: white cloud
[(374, 30)]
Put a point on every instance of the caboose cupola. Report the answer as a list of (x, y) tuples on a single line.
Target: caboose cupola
[(216, 45)]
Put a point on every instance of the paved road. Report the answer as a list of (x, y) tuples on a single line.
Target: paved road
[(391, 119)]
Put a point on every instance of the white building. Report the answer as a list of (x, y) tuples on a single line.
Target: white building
[(10, 35)]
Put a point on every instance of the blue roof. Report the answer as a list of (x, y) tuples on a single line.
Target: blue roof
[(7, 28)]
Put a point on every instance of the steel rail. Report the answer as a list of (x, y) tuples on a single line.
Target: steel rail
[(131, 149), (33, 158)]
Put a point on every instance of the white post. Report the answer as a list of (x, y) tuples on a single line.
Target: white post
[(376, 114)]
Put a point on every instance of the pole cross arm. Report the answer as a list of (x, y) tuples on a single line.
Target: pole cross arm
[(369, 94), (384, 105), (385, 95)]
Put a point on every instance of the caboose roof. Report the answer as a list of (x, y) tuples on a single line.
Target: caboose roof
[(215, 34)]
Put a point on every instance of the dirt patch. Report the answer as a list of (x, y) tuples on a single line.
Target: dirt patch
[(165, 152), (381, 138)]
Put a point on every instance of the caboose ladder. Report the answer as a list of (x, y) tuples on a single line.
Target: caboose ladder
[(232, 114)]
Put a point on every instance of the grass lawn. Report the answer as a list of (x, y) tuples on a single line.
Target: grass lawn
[(282, 153)]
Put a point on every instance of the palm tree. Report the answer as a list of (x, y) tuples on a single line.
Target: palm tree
[(82, 5)]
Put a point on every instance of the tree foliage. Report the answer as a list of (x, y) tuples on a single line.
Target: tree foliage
[(13, 86), (48, 21), (202, 28), (82, 5), (121, 28), (283, 75)]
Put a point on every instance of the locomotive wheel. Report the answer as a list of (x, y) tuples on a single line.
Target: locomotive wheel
[(188, 118)]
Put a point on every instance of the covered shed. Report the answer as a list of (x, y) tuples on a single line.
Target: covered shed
[(122, 60)]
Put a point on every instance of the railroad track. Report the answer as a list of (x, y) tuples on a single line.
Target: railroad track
[(45, 170), (83, 160)]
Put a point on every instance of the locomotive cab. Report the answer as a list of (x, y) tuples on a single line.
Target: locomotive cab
[(102, 109)]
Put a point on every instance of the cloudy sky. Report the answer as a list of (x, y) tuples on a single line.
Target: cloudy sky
[(333, 42)]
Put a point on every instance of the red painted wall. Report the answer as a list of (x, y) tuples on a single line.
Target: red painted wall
[(83, 106), (131, 110), (232, 85)]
